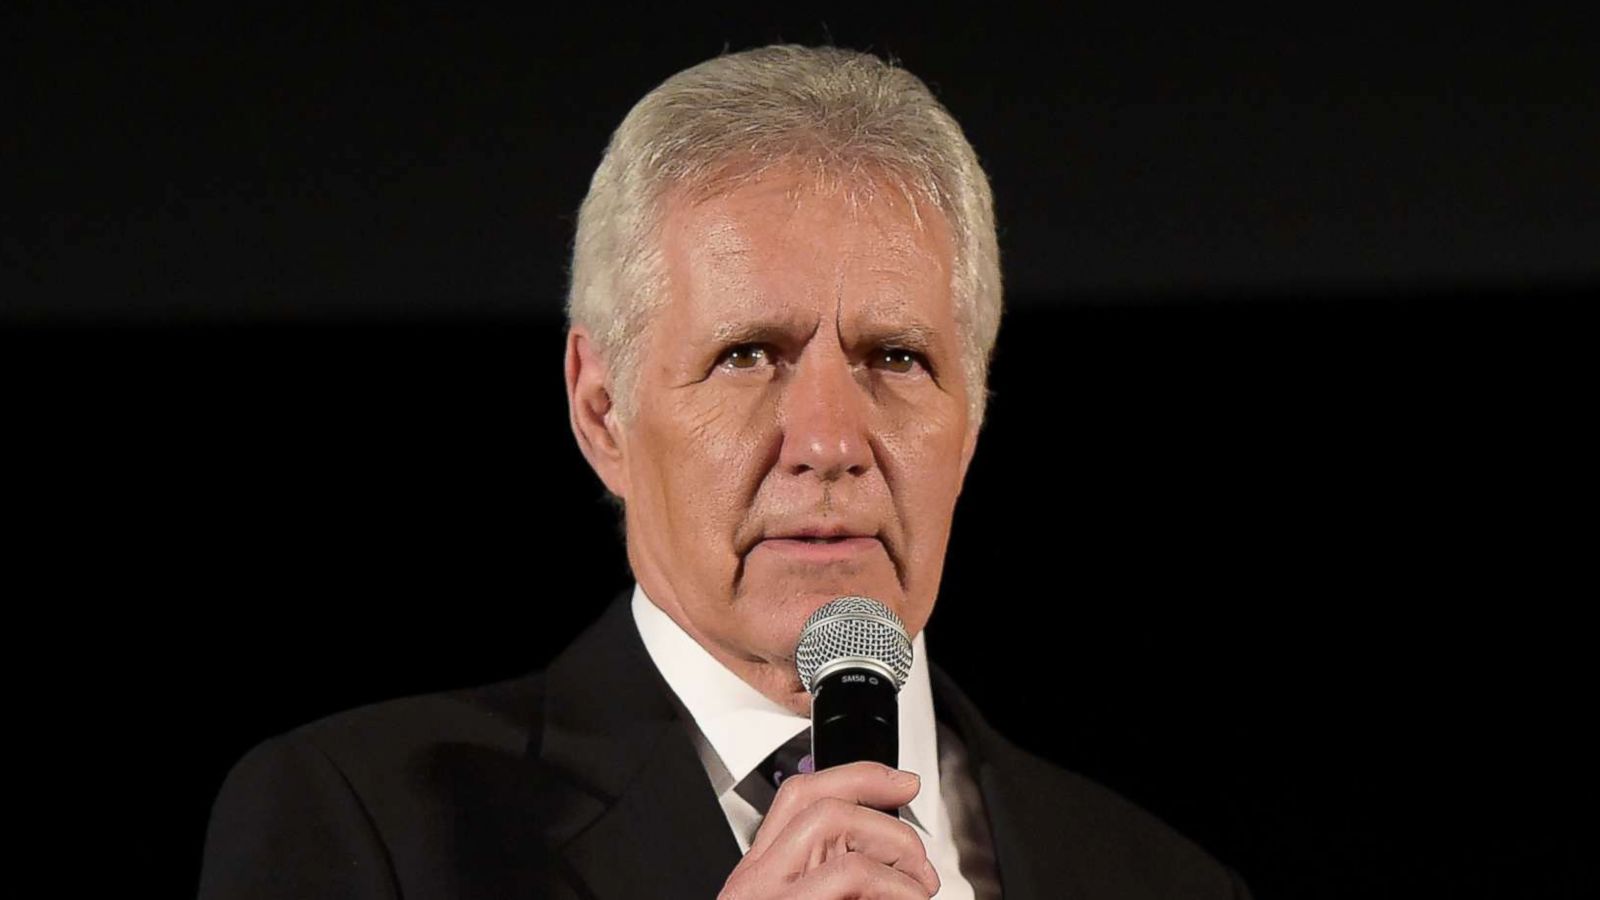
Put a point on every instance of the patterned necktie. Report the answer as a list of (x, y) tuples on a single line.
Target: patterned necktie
[(761, 785)]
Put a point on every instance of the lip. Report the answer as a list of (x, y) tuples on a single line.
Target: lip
[(840, 550)]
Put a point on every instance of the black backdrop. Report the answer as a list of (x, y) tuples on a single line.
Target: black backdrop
[(1281, 512)]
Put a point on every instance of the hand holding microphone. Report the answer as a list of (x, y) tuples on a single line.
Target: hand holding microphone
[(827, 833)]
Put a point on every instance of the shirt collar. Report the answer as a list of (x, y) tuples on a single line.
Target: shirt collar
[(743, 726)]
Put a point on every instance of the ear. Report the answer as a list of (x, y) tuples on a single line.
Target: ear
[(592, 413)]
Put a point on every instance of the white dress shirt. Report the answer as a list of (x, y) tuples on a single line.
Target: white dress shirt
[(736, 727)]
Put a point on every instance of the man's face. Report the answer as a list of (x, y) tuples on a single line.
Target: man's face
[(802, 382)]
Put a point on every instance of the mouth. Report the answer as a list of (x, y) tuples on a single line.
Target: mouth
[(850, 543), (815, 548)]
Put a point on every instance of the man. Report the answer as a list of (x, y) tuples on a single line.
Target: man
[(785, 292)]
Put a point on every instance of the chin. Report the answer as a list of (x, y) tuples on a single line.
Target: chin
[(800, 704)]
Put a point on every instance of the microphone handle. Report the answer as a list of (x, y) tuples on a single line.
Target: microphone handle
[(855, 715)]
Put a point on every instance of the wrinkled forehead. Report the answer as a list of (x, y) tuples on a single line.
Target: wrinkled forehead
[(785, 240)]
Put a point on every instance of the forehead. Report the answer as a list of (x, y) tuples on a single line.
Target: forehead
[(783, 241)]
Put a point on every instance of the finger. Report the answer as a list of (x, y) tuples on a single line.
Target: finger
[(853, 875), (863, 783), (832, 828)]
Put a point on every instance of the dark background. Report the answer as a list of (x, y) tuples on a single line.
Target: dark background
[(1275, 526)]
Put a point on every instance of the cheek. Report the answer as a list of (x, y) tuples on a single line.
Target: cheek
[(705, 456), (923, 466), (926, 445)]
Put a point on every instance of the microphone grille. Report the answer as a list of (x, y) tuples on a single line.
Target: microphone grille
[(853, 628)]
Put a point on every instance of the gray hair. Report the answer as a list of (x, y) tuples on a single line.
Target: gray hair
[(849, 118)]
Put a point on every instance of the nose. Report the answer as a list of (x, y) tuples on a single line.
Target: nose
[(825, 420)]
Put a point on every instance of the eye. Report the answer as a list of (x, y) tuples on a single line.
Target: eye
[(899, 359), (746, 356)]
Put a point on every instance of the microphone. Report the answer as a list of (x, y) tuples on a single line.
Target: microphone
[(853, 657)]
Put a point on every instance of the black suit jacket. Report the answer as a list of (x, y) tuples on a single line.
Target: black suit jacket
[(582, 782)]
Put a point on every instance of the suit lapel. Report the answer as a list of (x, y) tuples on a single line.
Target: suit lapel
[(1022, 824), (648, 824)]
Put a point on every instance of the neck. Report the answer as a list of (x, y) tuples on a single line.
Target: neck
[(775, 679)]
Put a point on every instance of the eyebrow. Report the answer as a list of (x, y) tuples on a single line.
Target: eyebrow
[(911, 335), (751, 332)]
